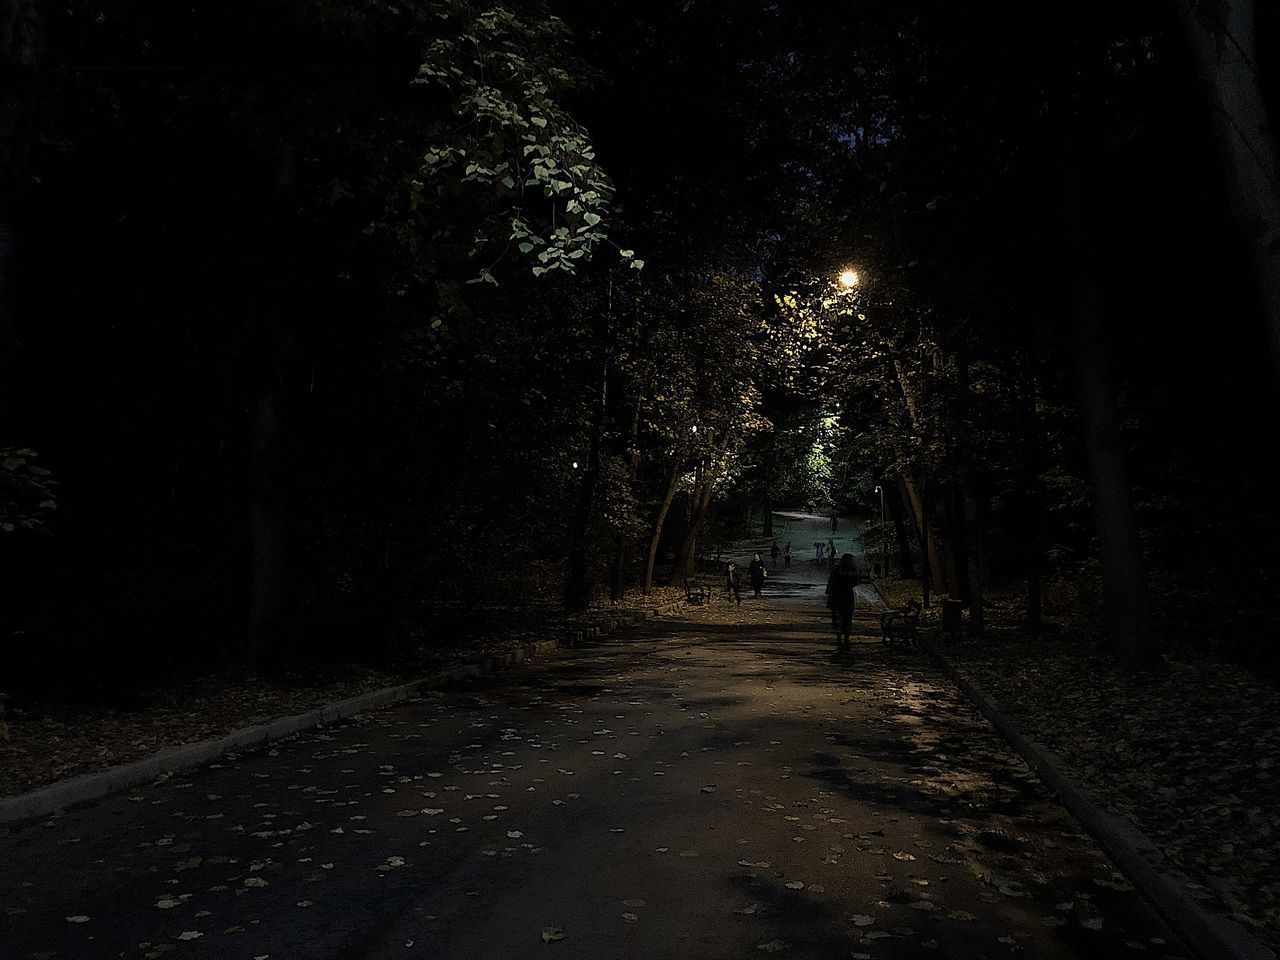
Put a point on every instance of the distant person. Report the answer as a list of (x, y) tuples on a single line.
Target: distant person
[(835, 524), (786, 555), (731, 584), (817, 550), (758, 573), (831, 551), (841, 586), (773, 554)]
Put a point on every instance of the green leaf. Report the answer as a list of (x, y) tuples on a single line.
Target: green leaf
[(591, 218)]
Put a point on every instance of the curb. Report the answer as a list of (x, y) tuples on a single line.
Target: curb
[(1210, 932), (54, 797)]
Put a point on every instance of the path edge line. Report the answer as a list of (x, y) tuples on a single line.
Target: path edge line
[(1209, 931), (54, 797)]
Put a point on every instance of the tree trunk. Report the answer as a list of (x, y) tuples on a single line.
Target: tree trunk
[(701, 501), (689, 546), (768, 517), (672, 485), (266, 506), (577, 592), (1222, 38), (941, 543), (905, 565), (21, 54), (931, 555), (929, 570), (1031, 529), (1124, 580), (266, 640), (622, 543), (972, 557)]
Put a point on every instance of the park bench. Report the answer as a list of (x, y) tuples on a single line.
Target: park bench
[(696, 593), (901, 625)]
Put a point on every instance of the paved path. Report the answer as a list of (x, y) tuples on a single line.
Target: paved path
[(709, 788)]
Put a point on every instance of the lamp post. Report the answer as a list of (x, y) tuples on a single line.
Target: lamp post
[(884, 543)]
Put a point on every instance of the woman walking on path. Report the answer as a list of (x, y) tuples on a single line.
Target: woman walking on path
[(840, 589), (758, 573), (731, 584)]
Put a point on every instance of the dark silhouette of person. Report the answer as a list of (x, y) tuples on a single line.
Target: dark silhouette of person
[(786, 554), (831, 547), (731, 584), (834, 523), (841, 585), (758, 573), (773, 553)]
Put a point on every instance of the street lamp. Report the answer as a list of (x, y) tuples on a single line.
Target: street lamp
[(849, 279), (884, 543)]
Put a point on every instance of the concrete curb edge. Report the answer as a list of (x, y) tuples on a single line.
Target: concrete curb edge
[(53, 797), (1212, 933)]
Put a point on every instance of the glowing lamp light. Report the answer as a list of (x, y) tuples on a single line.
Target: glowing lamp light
[(575, 464), (849, 279)]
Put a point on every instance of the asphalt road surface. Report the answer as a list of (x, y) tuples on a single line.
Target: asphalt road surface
[(707, 787)]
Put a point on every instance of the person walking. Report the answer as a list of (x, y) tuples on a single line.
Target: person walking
[(834, 523), (731, 584), (758, 573), (831, 552), (841, 586), (817, 551), (786, 555), (773, 554)]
